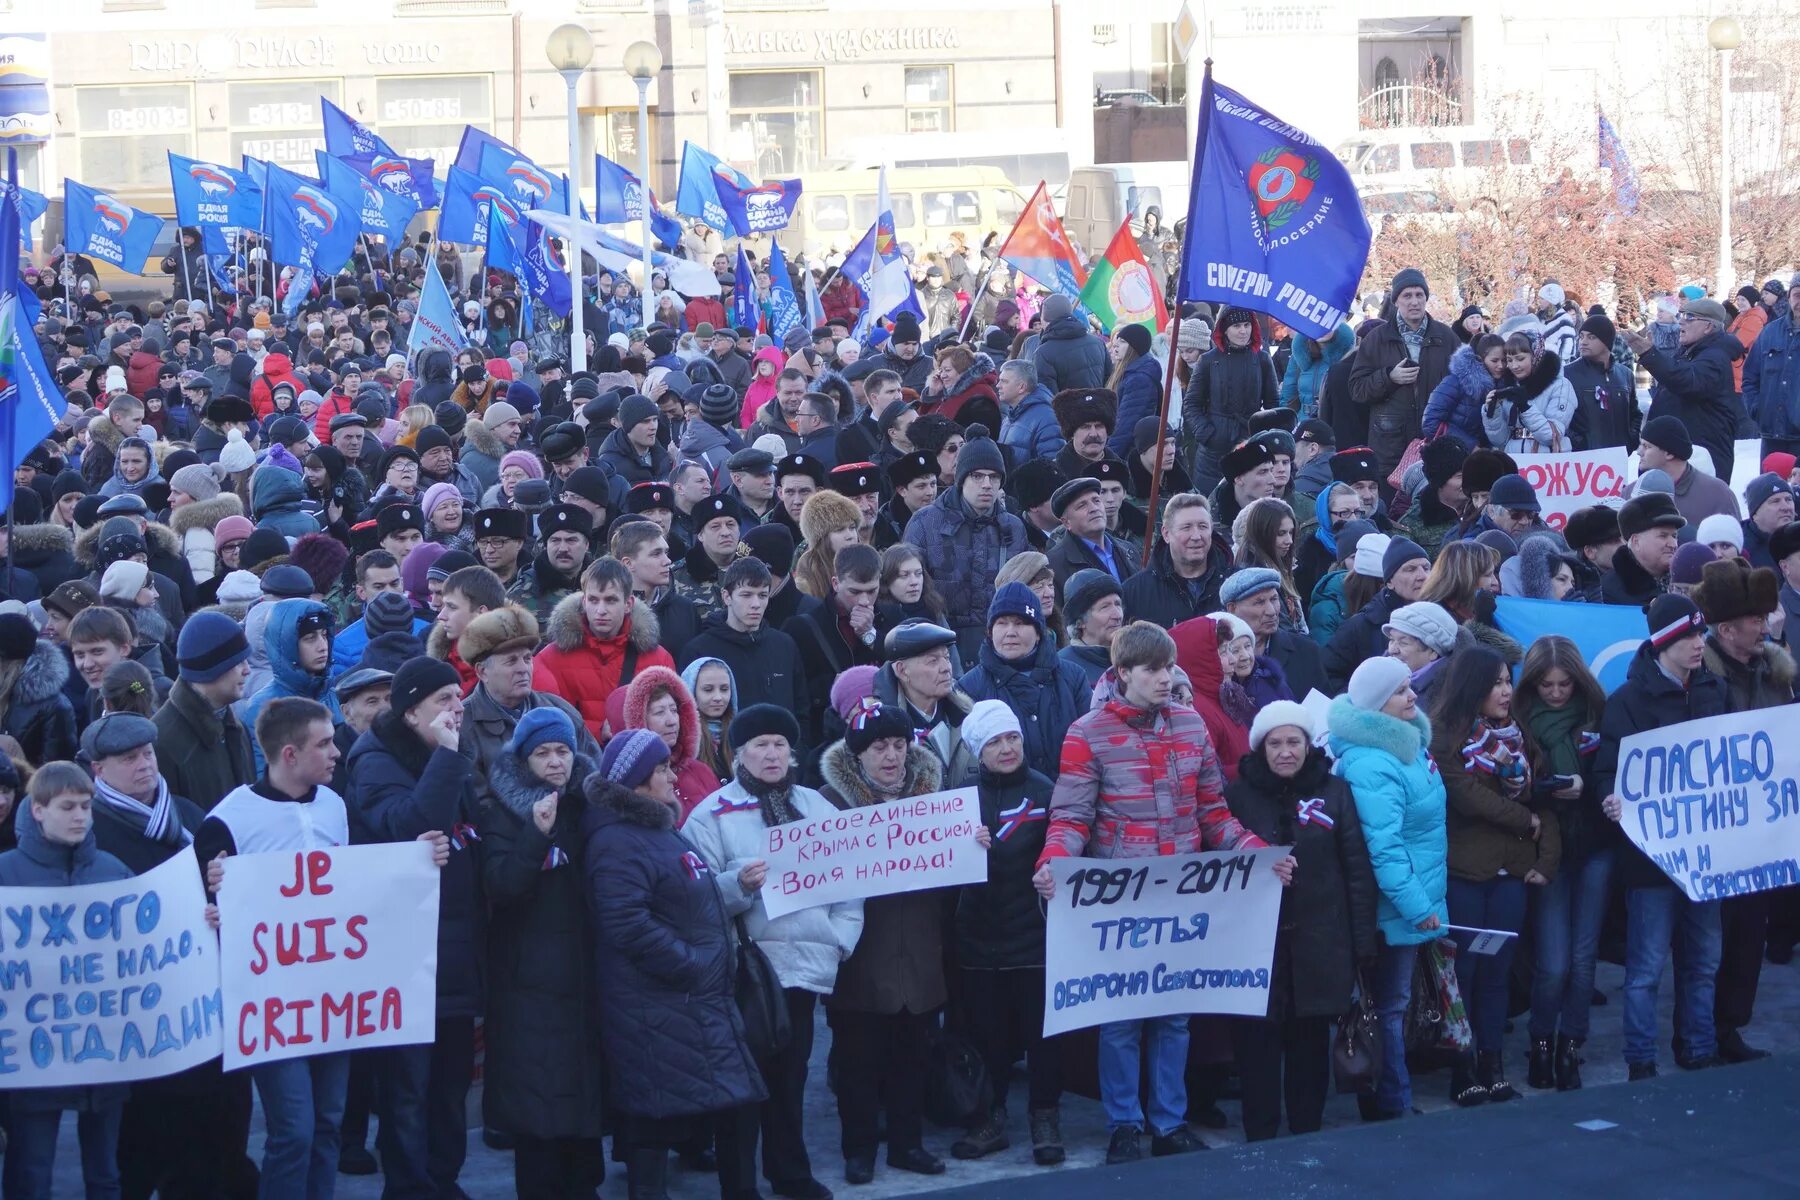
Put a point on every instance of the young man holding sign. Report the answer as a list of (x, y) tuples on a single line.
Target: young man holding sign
[(1139, 778), (1666, 685)]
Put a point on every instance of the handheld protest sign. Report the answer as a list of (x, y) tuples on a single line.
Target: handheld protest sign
[(1135, 938), (1715, 802), (108, 982), (900, 846), (328, 950), (1572, 480)]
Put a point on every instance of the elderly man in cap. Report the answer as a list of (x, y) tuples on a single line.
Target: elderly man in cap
[(565, 535), (362, 695), (203, 749), (861, 483), (918, 678), (1664, 445), (1695, 383), (966, 536), (1667, 683), (500, 645), (718, 521), (437, 464), (1512, 508), (1649, 525), (500, 537), (1084, 542), (1086, 419), (1398, 364), (1253, 594), (1770, 501)]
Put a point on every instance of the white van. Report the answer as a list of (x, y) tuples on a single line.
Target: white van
[(1422, 157), (1099, 197)]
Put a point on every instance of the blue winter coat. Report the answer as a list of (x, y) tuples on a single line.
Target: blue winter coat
[(1401, 801), (1457, 399), (281, 637), (277, 501), (665, 964), (401, 788), (964, 552), (1304, 381), (41, 863), (1029, 429), (1772, 378), (1140, 396), (1047, 695)]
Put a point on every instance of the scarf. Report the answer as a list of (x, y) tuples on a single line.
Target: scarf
[(1559, 734), (1480, 756), (775, 800), (1235, 699), (155, 821)]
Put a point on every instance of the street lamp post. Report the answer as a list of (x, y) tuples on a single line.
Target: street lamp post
[(643, 62), (571, 49), (1725, 35)]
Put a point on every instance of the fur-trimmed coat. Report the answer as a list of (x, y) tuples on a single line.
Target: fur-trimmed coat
[(584, 669), (694, 780), (168, 569), (1766, 681), (805, 947), (194, 524), (1532, 415), (543, 1011), (1456, 400), (665, 963), (46, 550), (38, 714), (899, 959)]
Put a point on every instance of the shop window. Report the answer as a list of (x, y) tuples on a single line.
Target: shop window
[(124, 134), (279, 121), (930, 101), (422, 116), (777, 122)]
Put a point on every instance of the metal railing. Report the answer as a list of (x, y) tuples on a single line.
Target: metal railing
[(1408, 105)]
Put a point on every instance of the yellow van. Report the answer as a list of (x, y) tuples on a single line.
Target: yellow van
[(930, 203)]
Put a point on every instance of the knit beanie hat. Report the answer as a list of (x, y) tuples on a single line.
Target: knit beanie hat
[(239, 587), (1016, 600), (872, 722), (196, 480), (1690, 562), (1398, 552), (539, 726), (1430, 623), (388, 612), (632, 757), (236, 455), (988, 719), (1084, 589), (418, 678), (978, 453), (1673, 617), (1762, 489), (525, 461), (499, 413), (1273, 716), (211, 644), (1602, 329), (435, 495), (1371, 551), (1720, 527), (123, 580), (1669, 434), (1375, 681), (855, 685)]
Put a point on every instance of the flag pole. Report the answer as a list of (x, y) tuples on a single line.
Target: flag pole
[(1151, 519), (980, 287)]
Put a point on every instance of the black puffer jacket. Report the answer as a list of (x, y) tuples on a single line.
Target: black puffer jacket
[(1070, 356), (766, 664), (1157, 594), (664, 964), (1649, 699), (1000, 923), (1228, 385), (38, 714), (401, 788), (1359, 637), (543, 1019), (1695, 384), (1327, 922)]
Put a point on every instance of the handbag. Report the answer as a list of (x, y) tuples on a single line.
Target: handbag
[(767, 1027), (1436, 1019), (1414, 449), (1356, 1045), (957, 1089)]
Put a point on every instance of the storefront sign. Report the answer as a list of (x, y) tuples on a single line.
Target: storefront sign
[(220, 54), (839, 45)]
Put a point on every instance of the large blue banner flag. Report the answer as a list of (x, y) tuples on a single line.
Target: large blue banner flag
[(464, 217), (435, 324), (745, 313), (31, 205), (385, 214), (1607, 635), (308, 224), (99, 226), (784, 307), (345, 135), (408, 178), (759, 209), (209, 194), (522, 181), (619, 199), (697, 191), (29, 402), (1274, 223)]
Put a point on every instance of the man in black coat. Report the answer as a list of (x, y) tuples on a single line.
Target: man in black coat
[(1606, 407), (1640, 568), (1083, 542), (1254, 594), (1068, 354), (1695, 383), (843, 631), (765, 662), (1397, 364), (1666, 684), (1185, 570), (201, 746)]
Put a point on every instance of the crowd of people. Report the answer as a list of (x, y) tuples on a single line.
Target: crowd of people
[(276, 585)]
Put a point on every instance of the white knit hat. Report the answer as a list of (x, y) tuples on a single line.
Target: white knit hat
[(1375, 681), (987, 720), (124, 580), (240, 587), (1720, 528), (1274, 715), (1239, 627), (236, 455), (1369, 551), (1430, 623)]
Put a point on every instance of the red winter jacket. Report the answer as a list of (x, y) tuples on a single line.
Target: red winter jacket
[(140, 373), (704, 308), (1197, 653), (276, 368), (1136, 783), (584, 669)]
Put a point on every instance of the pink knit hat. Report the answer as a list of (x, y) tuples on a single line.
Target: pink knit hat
[(851, 687)]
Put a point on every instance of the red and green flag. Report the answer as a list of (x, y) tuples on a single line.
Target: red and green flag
[(1120, 290)]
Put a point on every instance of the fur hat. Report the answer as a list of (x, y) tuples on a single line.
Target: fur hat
[(1482, 467), (1591, 526), (1077, 406), (1731, 588), (826, 512), (322, 557), (1442, 458), (510, 627), (1274, 715)]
